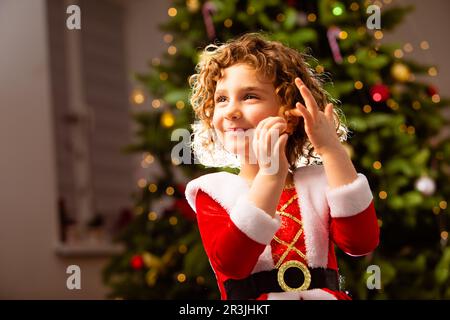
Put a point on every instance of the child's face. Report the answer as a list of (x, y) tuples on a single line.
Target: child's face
[(241, 101)]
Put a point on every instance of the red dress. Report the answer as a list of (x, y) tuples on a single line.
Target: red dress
[(241, 240), (233, 253)]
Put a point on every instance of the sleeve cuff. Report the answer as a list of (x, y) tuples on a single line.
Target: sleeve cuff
[(350, 199), (254, 222)]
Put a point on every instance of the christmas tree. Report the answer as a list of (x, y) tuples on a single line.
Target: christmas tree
[(394, 120)]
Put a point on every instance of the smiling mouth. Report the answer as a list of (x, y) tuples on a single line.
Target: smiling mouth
[(236, 130)]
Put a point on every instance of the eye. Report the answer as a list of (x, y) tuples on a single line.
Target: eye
[(251, 96), (219, 99)]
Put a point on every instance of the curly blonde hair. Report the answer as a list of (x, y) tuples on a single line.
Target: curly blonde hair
[(277, 63)]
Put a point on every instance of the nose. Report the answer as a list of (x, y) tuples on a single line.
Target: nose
[(233, 112)]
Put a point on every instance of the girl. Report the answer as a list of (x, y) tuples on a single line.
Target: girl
[(269, 232)]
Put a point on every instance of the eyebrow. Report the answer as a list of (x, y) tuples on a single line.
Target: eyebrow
[(249, 88)]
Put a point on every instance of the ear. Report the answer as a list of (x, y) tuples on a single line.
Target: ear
[(291, 123)]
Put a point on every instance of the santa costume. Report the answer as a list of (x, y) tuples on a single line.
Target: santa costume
[(290, 256)]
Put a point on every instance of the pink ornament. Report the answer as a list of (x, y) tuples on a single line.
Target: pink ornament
[(380, 93)]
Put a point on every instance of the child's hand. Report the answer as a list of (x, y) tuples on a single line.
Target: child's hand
[(269, 144), (319, 125)]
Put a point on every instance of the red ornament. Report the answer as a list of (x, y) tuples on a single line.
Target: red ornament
[(432, 90), (137, 262), (379, 93)]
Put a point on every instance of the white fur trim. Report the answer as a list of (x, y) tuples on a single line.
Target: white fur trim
[(350, 199), (265, 260), (310, 183), (230, 191), (254, 222), (313, 294), (223, 187)]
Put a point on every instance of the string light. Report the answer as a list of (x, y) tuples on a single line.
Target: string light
[(337, 9), (181, 277), (148, 158), (432, 71), (377, 165), (176, 162), (137, 96), (358, 85), (436, 210), (163, 76), (182, 249), (392, 104), (382, 195), (398, 53), (443, 204), (444, 235), (408, 47), (156, 103), (280, 17), (416, 105), (173, 220), (435, 98), (351, 59), (411, 130), (228, 23), (378, 35), (424, 45), (142, 183), (180, 104), (156, 61), (367, 108), (152, 187), (343, 35), (311, 17), (138, 210), (152, 216), (354, 6), (172, 12), (168, 38), (172, 50), (170, 191), (200, 280), (361, 30)]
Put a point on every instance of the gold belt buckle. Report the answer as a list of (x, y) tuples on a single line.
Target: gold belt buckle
[(294, 264)]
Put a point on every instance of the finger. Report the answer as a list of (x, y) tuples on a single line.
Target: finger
[(270, 123), (259, 127), (301, 111), (280, 145), (273, 135), (310, 102), (329, 112)]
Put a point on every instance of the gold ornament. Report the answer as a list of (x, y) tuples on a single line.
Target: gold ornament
[(400, 72), (167, 119), (192, 5)]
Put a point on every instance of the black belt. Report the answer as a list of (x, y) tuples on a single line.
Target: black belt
[(293, 277)]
